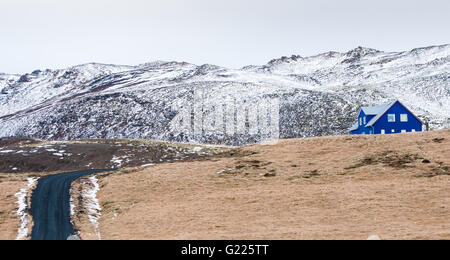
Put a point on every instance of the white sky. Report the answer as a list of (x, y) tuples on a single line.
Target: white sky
[(40, 34)]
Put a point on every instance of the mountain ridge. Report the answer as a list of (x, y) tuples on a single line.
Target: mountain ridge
[(169, 100)]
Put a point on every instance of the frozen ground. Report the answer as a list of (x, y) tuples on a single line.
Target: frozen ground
[(52, 156), (22, 201)]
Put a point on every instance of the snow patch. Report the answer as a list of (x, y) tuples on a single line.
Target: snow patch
[(72, 208), (92, 204), (117, 161), (197, 149), (22, 210)]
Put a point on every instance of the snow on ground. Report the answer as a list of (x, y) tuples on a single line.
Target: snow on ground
[(72, 208), (92, 203), (117, 161), (22, 210), (197, 149)]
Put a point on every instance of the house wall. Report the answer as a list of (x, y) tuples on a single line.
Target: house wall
[(397, 126), (362, 129)]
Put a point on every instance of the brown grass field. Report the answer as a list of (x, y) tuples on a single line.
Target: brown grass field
[(345, 187), (10, 184)]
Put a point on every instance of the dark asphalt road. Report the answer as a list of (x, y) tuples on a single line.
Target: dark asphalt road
[(50, 206)]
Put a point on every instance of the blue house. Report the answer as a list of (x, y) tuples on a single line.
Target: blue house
[(389, 118)]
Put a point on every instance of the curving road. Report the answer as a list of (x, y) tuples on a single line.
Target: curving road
[(50, 206)]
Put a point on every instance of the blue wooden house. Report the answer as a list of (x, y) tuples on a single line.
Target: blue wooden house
[(389, 118)]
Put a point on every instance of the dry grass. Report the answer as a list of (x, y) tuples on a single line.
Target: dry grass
[(9, 220), (98, 154), (349, 187), (10, 184)]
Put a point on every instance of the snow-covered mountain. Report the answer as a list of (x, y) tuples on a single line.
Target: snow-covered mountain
[(177, 101)]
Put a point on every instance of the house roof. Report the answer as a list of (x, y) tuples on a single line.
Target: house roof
[(377, 111), (381, 109), (354, 127)]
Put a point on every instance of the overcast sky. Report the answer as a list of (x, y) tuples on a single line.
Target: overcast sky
[(40, 34)]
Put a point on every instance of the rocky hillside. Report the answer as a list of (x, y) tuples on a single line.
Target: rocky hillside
[(176, 101)]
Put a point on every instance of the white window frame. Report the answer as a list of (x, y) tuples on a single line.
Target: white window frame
[(364, 120), (383, 131), (403, 131), (391, 121), (403, 117), (360, 121), (413, 130)]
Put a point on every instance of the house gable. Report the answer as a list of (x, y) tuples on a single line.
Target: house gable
[(381, 123)]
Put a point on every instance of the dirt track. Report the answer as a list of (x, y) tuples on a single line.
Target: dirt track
[(50, 206), (23, 158)]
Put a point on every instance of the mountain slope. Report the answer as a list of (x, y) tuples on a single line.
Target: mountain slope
[(178, 101), (32, 89)]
